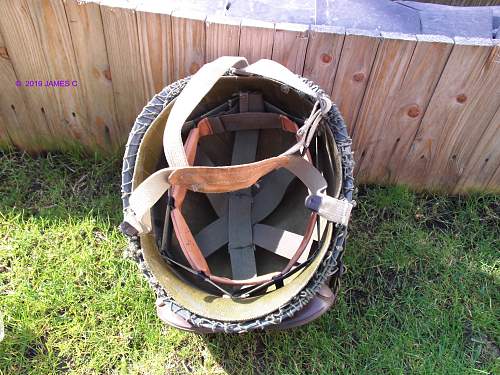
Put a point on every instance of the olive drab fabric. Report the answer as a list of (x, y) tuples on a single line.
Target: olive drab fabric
[(237, 195)]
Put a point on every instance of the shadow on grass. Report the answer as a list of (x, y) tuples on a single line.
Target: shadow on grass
[(389, 331), (58, 186), (419, 295)]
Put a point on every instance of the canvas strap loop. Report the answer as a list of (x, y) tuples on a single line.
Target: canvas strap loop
[(204, 80), (199, 86), (226, 179)]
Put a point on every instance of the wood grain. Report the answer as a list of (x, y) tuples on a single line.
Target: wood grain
[(356, 59), (423, 111), (256, 40), (290, 46), (370, 135), (23, 23), (87, 35), (188, 43), (15, 116), (223, 37), (7, 79), (323, 55), (122, 43), (49, 18), (391, 131), (494, 183), (155, 41), (5, 141), (483, 162), (445, 138)]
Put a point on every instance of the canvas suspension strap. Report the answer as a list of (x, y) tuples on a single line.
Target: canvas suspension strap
[(215, 179), (240, 237)]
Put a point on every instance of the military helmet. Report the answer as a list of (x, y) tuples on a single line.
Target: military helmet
[(237, 192)]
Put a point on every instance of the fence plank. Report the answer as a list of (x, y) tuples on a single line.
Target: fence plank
[(155, 41), (16, 125), (405, 108), (438, 153), (188, 43), (426, 67), (122, 42), (87, 35), (7, 80), (223, 37), (356, 59), (323, 55), (484, 161), (30, 64), (5, 141), (290, 46), (49, 18), (256, 40), (484, 104), (369, 135), (494, 183)]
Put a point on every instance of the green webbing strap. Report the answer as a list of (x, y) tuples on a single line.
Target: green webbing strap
[(240, 234), (271, 192)]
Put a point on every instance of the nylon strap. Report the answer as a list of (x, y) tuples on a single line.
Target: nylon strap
[(201, 179), (199, 86), (203, 81), (241, 247), (279, 241), (240, 235), (273, 188), (224, 179)]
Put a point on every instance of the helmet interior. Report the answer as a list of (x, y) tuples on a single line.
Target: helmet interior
[(290, 214)]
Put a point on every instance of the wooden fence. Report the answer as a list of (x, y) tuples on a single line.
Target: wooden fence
[(422, 110)]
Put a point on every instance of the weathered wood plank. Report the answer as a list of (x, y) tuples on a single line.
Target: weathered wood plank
[(7, 80), (87, 34), (122, 43), (223, 37), (356, 59), (392, 130), (484, 161), (256, 40), (49, 18), (483, 107), (460, 110), (16, 125), (155, 41), (369, 134), (5, 141), (290, 46), (188, 43), (428, 61), (26, 23), (494, 183), (323, 55)]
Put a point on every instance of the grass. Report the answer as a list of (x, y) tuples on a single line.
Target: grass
[(420, 296)]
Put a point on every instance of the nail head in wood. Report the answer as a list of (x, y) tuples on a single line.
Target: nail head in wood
[(358, 77), (414, 111), (326, 58)]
